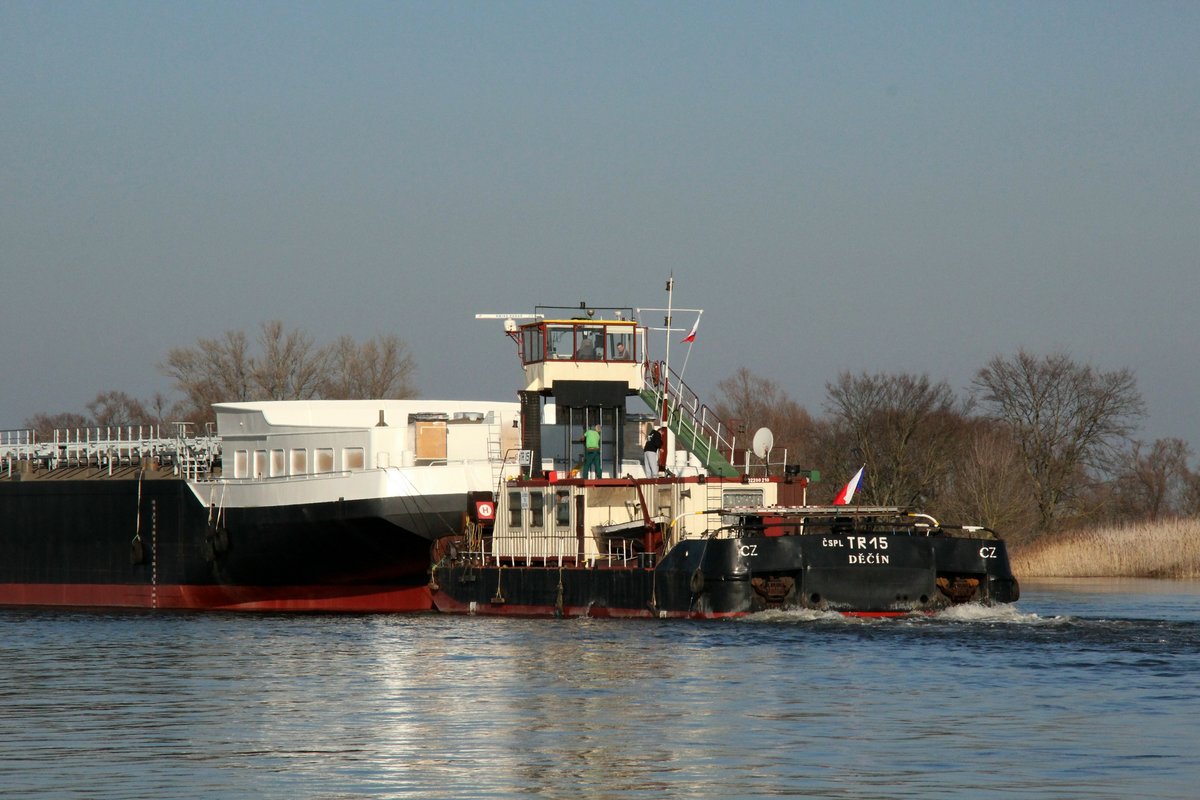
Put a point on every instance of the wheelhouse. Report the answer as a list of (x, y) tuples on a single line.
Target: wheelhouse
[(587, 361), (582, 349), (581, 340)]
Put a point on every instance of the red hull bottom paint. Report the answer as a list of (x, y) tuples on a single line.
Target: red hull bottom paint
[(225, 598)]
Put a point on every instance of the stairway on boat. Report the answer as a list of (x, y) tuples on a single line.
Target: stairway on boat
[(696, 426)]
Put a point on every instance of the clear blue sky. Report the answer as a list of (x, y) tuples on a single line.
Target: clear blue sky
[(877, 187)]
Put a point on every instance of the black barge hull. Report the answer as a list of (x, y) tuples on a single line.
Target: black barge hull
[(854, 574), (121, 542)]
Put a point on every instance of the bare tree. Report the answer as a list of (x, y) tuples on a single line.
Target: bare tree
[(44, 425), (750, 402), (988, 485), (1067, 419), (903, 427), (1155, 483), (1190, 502), (214, 371), (160, 408), (291, 367), (378, 368), (117, 409)]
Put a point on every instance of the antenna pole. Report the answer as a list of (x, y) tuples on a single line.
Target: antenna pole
[(670, 294), (667, 356)]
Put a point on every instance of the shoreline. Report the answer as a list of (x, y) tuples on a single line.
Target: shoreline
[(1167, 550), (1117, 585)]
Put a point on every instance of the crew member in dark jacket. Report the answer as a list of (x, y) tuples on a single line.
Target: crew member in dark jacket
[(650, 451)]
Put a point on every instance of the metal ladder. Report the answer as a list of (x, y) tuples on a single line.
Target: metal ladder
[(494, 453), (713, 498)]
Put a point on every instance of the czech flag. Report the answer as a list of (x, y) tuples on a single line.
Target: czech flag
[(844, 496), (691, 337)]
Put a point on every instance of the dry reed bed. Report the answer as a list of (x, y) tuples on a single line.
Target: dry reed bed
[(1169, 549)]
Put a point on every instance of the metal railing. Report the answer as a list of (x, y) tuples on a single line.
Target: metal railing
[(111, 448), (701, 430)]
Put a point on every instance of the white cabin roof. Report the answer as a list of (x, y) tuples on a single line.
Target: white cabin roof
[(262, 416)]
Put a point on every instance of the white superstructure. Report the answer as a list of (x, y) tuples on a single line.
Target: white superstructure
[(286, 453)]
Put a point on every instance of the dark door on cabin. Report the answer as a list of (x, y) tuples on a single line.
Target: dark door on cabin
[(579, 532), (575, 421)]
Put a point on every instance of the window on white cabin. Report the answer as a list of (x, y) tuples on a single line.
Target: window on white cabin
[(354, 458)]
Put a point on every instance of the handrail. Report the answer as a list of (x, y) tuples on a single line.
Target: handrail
[(105, 446), (704, 432)]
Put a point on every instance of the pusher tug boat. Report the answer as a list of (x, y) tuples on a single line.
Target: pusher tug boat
[(708, 539)]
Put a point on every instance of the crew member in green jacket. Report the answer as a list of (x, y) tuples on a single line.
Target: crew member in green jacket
[(591, 446)]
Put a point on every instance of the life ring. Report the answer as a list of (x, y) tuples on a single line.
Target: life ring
[(696, 581)]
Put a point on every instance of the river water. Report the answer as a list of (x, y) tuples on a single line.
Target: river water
[(1083, 689)]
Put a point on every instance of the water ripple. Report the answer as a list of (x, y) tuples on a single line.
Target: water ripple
[(1032, 701)]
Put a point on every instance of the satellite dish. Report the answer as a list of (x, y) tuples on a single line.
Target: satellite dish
[(764, 440)]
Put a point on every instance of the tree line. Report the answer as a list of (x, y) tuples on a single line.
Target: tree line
[(280, 364), (1038, 444)]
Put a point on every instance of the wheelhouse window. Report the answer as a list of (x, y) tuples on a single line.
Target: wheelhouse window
[(620, 344), (589, 342), (560, 341), (533, 344), (579, 340)]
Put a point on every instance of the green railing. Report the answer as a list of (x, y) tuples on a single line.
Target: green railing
[(695, 425)]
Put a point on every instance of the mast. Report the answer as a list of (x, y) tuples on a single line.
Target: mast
[(666, 376), (670, 295)]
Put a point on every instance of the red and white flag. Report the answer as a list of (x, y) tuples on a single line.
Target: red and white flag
[(844, 496), (691, 337)]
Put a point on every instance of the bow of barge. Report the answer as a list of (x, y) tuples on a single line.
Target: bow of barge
[(291, 506)]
